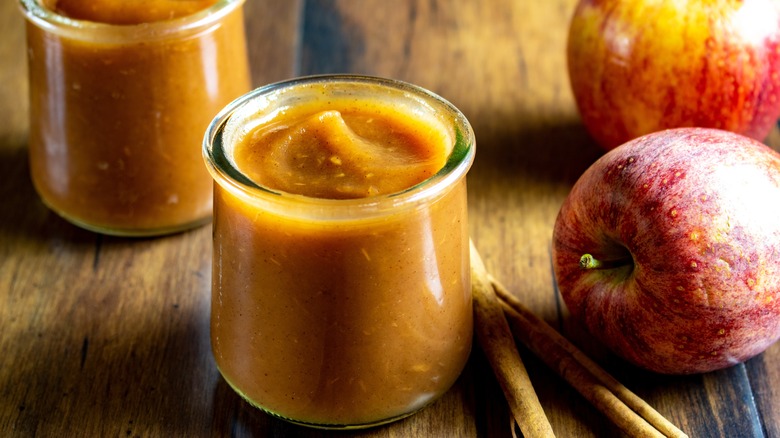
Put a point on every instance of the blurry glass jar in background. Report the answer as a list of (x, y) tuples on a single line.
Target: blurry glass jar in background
[(121, 94)]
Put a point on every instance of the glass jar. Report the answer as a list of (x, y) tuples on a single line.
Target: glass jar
[(118, 112), (340, 313)]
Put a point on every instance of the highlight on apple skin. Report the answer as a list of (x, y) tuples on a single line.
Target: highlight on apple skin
[(639, 66), (667, 249)]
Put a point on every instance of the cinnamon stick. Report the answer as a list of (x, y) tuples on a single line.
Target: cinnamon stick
[(495, 338), (627, 410)]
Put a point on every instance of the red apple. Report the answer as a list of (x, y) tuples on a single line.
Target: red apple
[(639, 66), (667, 249)]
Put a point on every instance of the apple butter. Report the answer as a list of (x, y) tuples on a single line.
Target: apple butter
[(120, 96), (341, 281)]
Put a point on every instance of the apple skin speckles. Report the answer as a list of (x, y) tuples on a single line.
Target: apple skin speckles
[(685, 223), (637, 67)]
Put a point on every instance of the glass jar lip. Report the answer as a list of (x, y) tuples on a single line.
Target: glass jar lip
[(53, 22), (458, 162)]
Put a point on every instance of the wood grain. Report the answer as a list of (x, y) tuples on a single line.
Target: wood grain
[(104, 336)]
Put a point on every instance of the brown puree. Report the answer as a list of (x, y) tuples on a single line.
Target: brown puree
[(341, 321), (127, 11), (118, 113), (354, 149)]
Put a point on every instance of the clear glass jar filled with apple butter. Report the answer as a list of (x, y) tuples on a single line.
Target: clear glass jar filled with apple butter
[(121, 93), (341, 284)]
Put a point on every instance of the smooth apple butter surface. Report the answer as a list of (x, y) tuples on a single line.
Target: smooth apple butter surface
[(351, 149), (127, 11), (121, 93), (344, 319)]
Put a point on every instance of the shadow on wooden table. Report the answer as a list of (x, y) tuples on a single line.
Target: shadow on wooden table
[(547, 152), (24, 214)]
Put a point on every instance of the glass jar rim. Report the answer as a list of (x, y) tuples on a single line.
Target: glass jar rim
[(457, 165), (50, 20)]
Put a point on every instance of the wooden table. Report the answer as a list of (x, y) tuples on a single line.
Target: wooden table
[(105, 336)]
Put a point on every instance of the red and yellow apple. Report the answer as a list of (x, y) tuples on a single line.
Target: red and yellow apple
[(639, 66), (667, 249)]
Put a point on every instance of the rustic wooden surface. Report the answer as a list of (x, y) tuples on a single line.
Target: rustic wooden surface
[(104, 336)]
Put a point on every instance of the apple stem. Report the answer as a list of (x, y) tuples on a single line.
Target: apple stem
[(587, 261)]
